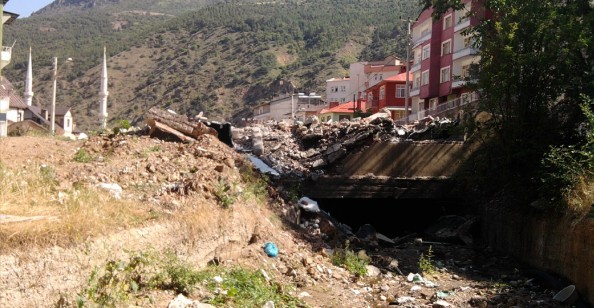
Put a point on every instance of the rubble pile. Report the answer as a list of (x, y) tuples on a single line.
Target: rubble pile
[(307, 148), (157, 171)]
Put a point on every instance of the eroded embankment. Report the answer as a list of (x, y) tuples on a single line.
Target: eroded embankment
[(38, 277)]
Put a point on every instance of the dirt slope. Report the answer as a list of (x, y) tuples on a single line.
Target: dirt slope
[(180, 184)]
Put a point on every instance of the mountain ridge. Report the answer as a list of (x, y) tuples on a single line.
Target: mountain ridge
[(221, 58)]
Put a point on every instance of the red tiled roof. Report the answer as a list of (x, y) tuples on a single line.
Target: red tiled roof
[(342, 108), (400, 77)]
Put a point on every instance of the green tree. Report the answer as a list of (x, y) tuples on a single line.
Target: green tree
[(536, 65)]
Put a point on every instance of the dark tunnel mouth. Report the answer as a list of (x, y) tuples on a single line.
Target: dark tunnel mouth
[(392, 217)]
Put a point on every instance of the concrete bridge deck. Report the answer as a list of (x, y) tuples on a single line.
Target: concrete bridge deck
[(400, 170)]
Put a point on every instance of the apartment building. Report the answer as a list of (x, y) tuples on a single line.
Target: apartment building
[(389, 94), (443, 54), (362, 76), (288, 107), (338, 90)]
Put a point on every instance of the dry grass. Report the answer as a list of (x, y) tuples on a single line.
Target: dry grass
[(72, 216), (580, 199)]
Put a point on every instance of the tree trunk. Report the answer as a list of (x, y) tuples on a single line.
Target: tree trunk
[(180, 123)]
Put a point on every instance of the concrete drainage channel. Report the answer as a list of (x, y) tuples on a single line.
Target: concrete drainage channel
[(396, 218), (436, 237)]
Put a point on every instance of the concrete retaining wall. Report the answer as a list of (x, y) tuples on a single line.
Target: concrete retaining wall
[(545, 241), (406, 159)]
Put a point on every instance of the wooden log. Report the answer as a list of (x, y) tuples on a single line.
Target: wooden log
[(157, 126), (179, 123)]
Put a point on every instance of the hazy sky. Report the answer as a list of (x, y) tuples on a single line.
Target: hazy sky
[(25, 7)]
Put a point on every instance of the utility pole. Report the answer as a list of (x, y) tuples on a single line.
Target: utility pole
[(292, 109), (4, 102), (407, 89), (53, 111)]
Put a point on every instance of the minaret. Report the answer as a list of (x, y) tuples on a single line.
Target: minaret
[(103, 93), (29, 82)]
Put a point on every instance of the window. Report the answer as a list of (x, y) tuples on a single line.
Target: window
[(425, 31), (381, 76), (465, 72), (445, 74), (446, 47), (382, 94), (425, 78), (370, 96), (400, 91), (375, 77), (342, 100), (447, 21), (342, 88), (467, 42), (426, 51), (67, 123), (417, 56), (417, 82)]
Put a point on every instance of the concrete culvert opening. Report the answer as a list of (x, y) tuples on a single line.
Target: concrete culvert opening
[(393, 217)]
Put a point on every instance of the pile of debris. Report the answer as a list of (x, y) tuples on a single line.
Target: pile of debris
[(307, 148)]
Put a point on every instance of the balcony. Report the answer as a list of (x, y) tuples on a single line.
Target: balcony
[(5, 57), (460, 81), (462, 24), (465, 52), (415, 67), (423, 38), (414, 92), (443, 109)]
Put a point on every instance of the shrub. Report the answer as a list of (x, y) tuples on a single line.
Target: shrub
[(225, 194), (245, 288), (350, 260), (82, 156), (426, 265), (569, 170), (122, 124)]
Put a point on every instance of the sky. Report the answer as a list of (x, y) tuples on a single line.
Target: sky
[(25, 7)]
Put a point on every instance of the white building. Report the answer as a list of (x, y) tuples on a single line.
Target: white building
[(288, 106), (338, 90), (5, 58)]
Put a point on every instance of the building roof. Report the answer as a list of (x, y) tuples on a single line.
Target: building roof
[(11, 16), (400, 77), (348, 107), (62, 111), (6, 89), (338, 79)]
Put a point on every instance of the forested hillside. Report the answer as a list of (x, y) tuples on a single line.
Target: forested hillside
[(216, 58)]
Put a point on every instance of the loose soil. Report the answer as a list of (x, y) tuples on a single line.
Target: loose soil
[(179, 183)]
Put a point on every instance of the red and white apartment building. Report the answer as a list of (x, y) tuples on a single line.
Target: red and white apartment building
[(389, 94), (362, 76), (443, 55)]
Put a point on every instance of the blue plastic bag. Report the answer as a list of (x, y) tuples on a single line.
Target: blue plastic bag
[(271, 249)]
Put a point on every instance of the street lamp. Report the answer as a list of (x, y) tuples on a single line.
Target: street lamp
[(55, 78)]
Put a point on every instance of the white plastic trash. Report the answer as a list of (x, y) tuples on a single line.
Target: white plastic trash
[(308, 205), (567, 296)]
